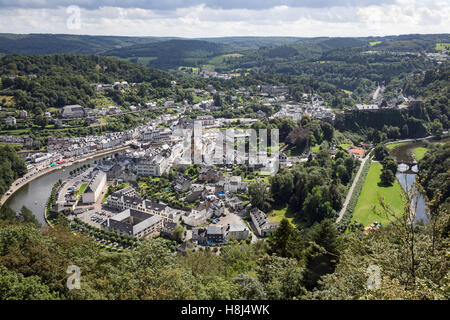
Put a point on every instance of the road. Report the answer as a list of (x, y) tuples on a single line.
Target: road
[(411, 140), (352, 188), (36, 172)]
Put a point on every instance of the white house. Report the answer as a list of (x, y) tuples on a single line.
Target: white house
[(237, 232), (263, 226), (95, 187)]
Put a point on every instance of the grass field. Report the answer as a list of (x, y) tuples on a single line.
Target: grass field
[(277, 215), (374, 43), (370, 198), (220, 59), (9, 100), (82, 188), (143, 60), (419, 153), (443, 46), (257, 177), (394, 145), (315, 148), (345, 145), (102, 102)]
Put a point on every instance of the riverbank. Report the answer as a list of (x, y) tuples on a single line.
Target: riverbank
[(14, 188)]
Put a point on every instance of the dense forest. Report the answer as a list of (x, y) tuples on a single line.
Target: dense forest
[(66, 79), (12, 166), (170, 53)]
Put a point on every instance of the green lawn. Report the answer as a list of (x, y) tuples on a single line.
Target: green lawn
[(345, 145), (82, 188), (374, 43), (419, 153), (315, 148), (277, 215), (220, 59), (394, 145), (442, 46), (370, 198), (258, 176)]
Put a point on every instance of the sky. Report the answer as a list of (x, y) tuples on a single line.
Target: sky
[(220, 18)]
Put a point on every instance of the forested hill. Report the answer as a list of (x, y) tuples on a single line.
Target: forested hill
[(61, 43), (172, 53), (93, 68), (56, 80)]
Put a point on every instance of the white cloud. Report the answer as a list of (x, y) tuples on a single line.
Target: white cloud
[(397, 17)]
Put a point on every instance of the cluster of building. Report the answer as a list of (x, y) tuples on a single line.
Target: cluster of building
[(76, 112), (315, 108), (214, 74), (100, 87), (273, 90), (218, 234), (26, 141)]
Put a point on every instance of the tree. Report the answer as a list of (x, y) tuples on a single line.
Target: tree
[(328, 131), (6, 213), (299, 137), (178, 234), (390, 164), (285, 241), (436, 127), (380, 152), (282, 186), (217, 100), (27, 216), (259, 195), (315, 208), (281, 277), (342, 173), (387, 177), (322, 254), (349, 163), (41, 121), (14, 286), (249, 288)]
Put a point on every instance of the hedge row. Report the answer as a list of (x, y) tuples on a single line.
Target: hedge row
[(342, 225)]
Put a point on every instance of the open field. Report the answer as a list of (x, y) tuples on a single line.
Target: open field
[(101, 101), (277, 215), (370, 196), (315, 148), (443, 46), (419, 153), (345, 145), (374, 43), (8, 101), (394, 145), (220, 59), (143, 60)]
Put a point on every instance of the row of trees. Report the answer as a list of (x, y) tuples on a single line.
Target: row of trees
[(12, 166)]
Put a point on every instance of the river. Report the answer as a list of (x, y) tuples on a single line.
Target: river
[(34, 195), (404, 153), (407, 181)]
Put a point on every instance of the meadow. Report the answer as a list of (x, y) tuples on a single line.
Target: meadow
[(368, 207)]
